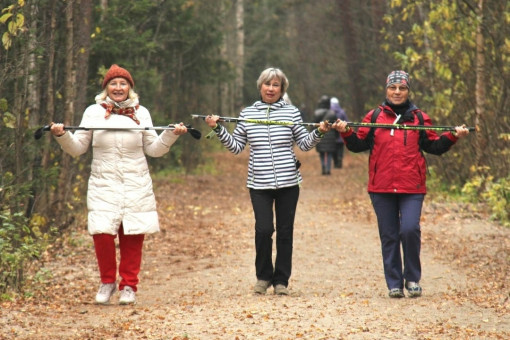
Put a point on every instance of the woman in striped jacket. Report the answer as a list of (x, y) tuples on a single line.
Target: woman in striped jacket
[(273, 175)]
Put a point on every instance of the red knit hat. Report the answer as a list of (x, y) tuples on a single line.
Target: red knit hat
[(117, 71)]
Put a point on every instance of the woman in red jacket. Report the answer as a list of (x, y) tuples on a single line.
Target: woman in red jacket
[(397, 175)]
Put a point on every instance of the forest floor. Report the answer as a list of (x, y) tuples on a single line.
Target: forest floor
[(198, 273)]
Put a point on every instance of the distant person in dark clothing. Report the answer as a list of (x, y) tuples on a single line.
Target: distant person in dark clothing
[(338, 156), (327, 146)]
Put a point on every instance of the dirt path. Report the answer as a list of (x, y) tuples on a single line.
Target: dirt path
[(198, 274)]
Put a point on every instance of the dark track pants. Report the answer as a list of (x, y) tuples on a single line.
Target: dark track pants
[(398, 219), (338, 156), (285, 202), (326, 160)]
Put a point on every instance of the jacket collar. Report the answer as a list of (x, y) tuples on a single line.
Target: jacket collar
[(260, 105), (407, 116)]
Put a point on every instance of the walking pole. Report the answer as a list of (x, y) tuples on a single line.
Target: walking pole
[(193, 132), (408, 127), (257, 121), (374, 125)]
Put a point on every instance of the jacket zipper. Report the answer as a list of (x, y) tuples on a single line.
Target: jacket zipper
[(271, 145), (395, 122)]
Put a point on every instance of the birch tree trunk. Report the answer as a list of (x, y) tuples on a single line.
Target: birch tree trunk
[(33, 85), (33, 96)]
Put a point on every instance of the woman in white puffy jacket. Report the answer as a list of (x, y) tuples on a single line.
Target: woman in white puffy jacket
[(120, 198)]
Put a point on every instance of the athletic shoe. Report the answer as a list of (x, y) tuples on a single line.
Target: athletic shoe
[(261, 286), (127, 296), (105, 292), (396, 293), (413, 289), (280, 289)]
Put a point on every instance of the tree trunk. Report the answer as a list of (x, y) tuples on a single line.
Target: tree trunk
[(18, 109), (33, 102), (353, 57), (223, 104), (480, 141), (104, 7), (70, 73), (50, 82), (83, 31), (64, 183), (46, 196), (239, 83), (33, 85)]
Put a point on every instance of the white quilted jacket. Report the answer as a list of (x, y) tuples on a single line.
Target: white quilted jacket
[(120, 186)]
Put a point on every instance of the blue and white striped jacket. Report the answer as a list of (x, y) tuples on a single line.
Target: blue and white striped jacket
[(272, 163)]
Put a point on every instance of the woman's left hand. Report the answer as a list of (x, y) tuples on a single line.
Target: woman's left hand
[(180, 129), (461, 131), (212, 120), (324, 127)]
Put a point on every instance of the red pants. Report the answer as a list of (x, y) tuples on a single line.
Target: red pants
[(130, 258)]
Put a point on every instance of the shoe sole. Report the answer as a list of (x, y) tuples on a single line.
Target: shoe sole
[(414, 294), (281, 290), (127, 303), (102, 303), (397, 296), (282, 293), (260, 291), (105, 302)]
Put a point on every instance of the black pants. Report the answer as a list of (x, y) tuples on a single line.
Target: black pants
[(285, 202), (339, 155)]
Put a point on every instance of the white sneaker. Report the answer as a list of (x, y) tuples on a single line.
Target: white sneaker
[(105, 291), (127, 296)]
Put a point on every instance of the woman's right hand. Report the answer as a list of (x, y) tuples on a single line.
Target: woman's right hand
[(340, 126), (212, 120), (57, 129)]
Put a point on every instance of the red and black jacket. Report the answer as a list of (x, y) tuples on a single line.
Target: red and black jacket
[(396, 163)]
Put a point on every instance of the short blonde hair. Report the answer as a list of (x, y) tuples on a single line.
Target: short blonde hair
[(270, 73)]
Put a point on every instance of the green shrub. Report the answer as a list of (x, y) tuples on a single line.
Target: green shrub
[(18, 247), (21, 241), (496, 193)]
